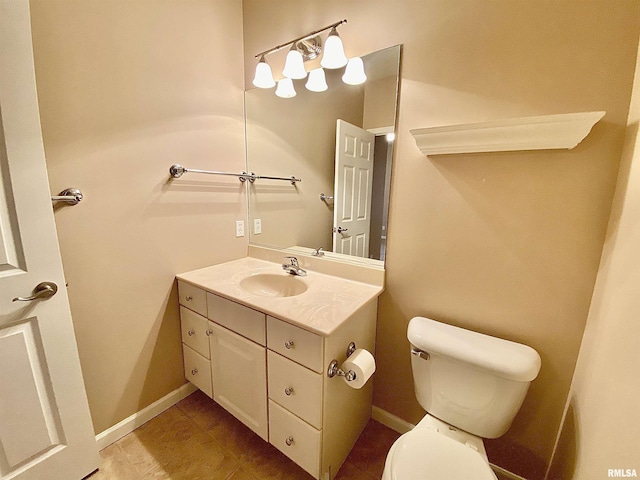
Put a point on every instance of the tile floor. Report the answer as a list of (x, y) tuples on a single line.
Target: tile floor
[(198, 440)]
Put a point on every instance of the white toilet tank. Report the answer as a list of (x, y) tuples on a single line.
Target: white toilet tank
[(469, 380)]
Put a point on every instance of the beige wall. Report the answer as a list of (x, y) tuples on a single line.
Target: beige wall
[(506, 244), (380, 103), (127, 88), (296, 136), (602, 421)]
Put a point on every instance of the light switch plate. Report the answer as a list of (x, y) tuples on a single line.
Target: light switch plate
[(257, 226)]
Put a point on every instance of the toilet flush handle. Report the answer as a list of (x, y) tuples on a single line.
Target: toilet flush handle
[(419, 353)]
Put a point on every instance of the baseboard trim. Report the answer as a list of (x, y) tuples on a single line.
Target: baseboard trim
[(402, 426), (390, 420), (129, 424)]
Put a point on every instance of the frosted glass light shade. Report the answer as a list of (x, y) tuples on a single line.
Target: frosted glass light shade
[(294, 65), (316, 81), (263, 77), (333, 56), (354, 73), (285, 88)]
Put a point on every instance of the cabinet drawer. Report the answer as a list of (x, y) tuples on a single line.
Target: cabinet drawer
[(192, 297), (195, 331), (296, 439), (296, 388), (197, 370), (238, 318), (295, 343)]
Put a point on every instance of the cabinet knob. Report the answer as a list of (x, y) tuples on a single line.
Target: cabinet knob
[(209, 332), (191, 332), (188, 298), (289, 344), (289, 441), (288, 391), (194, 371)]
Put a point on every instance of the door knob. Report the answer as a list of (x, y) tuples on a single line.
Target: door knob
[(340, 229), (42, 290)]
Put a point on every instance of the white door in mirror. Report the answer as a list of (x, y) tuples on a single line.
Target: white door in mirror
[(353, 187)]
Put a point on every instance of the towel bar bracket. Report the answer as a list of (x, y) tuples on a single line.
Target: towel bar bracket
[(72, 196)]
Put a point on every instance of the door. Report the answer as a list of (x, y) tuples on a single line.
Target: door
[(45, 425), (352, 190)]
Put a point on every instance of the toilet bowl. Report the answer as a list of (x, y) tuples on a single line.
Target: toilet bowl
[(471, 385), (434, 450)]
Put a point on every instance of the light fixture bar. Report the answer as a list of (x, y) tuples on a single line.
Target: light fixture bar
[(304, 37)]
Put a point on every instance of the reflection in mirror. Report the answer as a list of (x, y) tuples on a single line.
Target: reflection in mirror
[(298, 136)]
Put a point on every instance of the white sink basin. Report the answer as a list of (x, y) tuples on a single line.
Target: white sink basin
[(272, 285)]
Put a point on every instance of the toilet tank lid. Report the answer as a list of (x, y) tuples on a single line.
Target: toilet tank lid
[(510, 360)]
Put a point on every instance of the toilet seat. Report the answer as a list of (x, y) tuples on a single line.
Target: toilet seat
[(426, 454)]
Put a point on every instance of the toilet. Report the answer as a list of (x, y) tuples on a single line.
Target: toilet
[(471, 385)]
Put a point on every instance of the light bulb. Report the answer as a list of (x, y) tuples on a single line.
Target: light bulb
[(354, 73), (316, 81), (263, 77), (294, 65), (333, 56), (285, 88)]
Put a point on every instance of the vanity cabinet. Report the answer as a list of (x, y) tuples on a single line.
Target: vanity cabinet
[(225, 355), (271, 375)]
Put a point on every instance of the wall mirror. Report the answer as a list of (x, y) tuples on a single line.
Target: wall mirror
[(340, 143)]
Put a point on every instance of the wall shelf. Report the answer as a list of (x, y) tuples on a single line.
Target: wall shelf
[(527, 133)]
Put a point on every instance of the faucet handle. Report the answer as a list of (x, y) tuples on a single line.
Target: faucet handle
[(293, 261)]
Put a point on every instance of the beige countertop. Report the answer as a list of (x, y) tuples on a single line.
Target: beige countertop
[(327, 302)]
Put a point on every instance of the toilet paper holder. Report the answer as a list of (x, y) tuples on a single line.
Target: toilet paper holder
[(334, 367)]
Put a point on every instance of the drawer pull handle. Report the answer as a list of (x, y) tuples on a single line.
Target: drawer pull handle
[(188, 298), (209, 332), (289, 344), (288, 391), (194, 371), (289, 441), (191, 332)]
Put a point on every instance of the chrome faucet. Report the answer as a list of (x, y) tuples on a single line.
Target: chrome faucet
[(293, 267), (317, 252)]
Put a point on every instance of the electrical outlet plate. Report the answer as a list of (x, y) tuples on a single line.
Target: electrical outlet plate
[(239, 228)]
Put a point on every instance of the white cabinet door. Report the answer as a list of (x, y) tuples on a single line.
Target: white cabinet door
[(239, 378), (45, 425)]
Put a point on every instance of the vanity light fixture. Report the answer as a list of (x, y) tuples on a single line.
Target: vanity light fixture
[(354, 73), (294, 65), (334, 56), (317, 81), (306, 48), (263, 77), (285, 88)]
